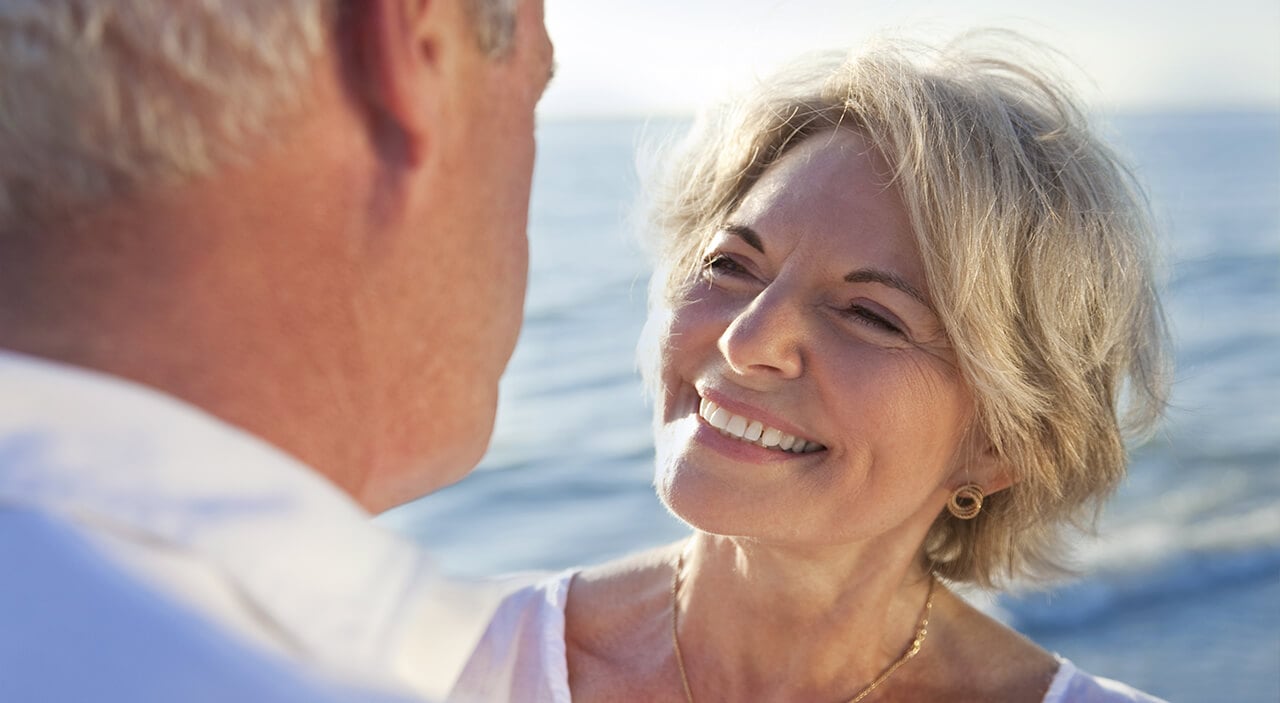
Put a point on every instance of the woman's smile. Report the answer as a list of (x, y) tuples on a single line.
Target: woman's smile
[(754, 431), (743, 432), (753, 425)]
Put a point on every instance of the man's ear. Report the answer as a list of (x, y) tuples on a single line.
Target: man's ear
[(396, 52)]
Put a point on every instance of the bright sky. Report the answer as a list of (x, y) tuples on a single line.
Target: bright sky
[(649, 57)]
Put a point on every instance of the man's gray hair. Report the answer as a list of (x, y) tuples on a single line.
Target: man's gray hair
[(100, 98)]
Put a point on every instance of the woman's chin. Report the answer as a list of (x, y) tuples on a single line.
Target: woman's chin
[(710, 504)]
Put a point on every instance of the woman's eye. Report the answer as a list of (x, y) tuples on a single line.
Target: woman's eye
[(714, 264), (865, 315)]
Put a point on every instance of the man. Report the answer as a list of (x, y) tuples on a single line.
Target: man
[(261, 266)]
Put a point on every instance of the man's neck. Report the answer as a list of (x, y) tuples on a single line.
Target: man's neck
[(243, 311)]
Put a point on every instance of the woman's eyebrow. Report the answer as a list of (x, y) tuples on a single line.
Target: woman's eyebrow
[(747, 235), (893, 280)]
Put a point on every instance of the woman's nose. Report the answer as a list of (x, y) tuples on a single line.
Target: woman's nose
[(765, 337)]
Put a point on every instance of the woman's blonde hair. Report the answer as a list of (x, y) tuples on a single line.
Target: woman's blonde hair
[(1037, 245)]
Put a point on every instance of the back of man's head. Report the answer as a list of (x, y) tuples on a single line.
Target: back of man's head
[(305, 216), (103, 97)]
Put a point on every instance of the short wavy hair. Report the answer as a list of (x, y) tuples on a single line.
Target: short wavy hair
[(1037, 244), (103, 97)]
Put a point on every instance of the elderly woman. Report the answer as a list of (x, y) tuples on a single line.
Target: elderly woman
[(904, 318)]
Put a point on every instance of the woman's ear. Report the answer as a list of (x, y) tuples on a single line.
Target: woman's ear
[(983, 465), (397, 53)]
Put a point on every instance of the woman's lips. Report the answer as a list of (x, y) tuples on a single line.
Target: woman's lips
[(752, 431)]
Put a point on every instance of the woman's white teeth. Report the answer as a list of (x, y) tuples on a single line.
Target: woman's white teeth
[(753, 431), (719, 418)]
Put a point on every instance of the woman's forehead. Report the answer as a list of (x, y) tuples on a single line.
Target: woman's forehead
[(831, 183), (825, 170)]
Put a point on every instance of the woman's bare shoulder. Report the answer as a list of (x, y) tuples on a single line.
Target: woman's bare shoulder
[(995, 662), (634, 565), (606, 595), (616, 606), (617, 626)]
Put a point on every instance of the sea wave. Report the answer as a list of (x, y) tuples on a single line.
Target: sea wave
[(1144, 564)]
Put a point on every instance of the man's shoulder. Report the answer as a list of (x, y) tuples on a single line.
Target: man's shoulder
[(75, 624)]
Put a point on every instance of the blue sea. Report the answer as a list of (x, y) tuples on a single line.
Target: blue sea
[(1179, 595)]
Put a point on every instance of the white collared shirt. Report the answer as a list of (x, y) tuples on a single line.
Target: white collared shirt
[(149, 552)]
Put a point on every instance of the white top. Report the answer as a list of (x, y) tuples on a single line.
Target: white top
[(149, 552), (521, 657)]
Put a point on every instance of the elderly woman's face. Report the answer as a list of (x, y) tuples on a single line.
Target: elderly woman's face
[(809, 392)]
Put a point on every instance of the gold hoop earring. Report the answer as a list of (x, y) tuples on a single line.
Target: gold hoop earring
[(966, 501)]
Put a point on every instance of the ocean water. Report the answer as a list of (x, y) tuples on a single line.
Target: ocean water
[(1180, 594)]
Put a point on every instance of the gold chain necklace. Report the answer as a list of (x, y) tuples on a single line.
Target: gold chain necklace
[(922, 631)]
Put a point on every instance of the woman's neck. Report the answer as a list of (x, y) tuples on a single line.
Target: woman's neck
[(760, 622)]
